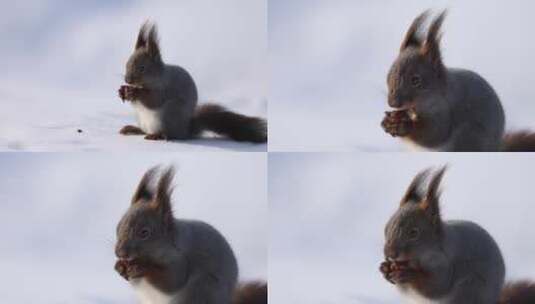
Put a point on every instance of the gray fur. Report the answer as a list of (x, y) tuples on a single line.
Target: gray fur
[(169, 88), (457, 110), (458, 261), (186, 261)]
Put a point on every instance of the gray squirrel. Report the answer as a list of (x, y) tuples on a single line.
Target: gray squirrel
[(440, 108), (449, 262), (165, 100), (176, 261)]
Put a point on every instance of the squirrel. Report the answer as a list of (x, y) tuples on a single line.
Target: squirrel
[(164, 98), (435, 261), (176, 261), (440, 108)]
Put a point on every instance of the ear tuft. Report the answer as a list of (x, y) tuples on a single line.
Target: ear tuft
[(143, 190), (164, 190), (433, 190), (431, 47), (434, 33), (414, 191), (412, 36), (153, 44), (430, 204), (142, 35)]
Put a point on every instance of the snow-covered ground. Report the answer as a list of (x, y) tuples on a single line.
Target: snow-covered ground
[(62, 63), (329, 61), (59, 212), (328, 211)]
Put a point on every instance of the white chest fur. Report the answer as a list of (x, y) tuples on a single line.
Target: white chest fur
[(415, 298), (150, 121), (147, 294)]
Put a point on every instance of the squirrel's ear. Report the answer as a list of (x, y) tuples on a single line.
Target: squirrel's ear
[(430, 204), (141, 36), (152, 42), (162, 199), (414, 193), (143, 189), (431, 46), (411, 38)]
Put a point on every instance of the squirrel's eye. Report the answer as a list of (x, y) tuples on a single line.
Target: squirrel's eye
[(416, 81), (141, 68), (414, 234), (144, 233)]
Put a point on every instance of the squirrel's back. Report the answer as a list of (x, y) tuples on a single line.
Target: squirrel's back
[(474, 253), (180, 81), (208, 249), (474, 102)]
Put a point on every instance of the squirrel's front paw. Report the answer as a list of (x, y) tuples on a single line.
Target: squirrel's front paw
[(397, 272), (402, 276), (135, 270), (121, 268), (398, 123), (386, 270), (127, 92)]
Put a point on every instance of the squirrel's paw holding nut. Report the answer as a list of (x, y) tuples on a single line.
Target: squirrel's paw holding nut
[(386, 270), (135, 271), (121, 268), (402, 276), (127, 92), (398, 123)]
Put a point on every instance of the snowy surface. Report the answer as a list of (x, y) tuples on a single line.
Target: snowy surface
[(329, 61), (328, 213), (59, 213), (63, 61)]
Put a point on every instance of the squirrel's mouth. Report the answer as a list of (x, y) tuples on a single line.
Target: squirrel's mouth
[(129, 261), (399, 261), (405, 106)]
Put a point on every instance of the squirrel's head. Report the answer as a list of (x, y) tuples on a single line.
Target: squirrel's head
[(416, 226), (147, 227), (145, 65), (418, 70)]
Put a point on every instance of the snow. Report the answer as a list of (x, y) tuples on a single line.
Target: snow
[(329, 61), (60, 210), (328, 213), (62, 65)]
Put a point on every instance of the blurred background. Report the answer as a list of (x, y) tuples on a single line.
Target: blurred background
[(59, 214), (328, 212), (63, 62), (329, 60)]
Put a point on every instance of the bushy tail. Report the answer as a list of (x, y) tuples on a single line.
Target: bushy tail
[(521, 141), (251, 293), (215, 118), (522, 292)]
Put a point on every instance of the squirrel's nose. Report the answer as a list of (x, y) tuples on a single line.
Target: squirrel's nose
[(394, 102), (121, 252), (391, 252), (128, 78)]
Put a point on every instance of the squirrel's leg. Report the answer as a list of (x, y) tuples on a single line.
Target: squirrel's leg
[(204, 289), (156, 136), (473, 290), (131, 130), (122, 269)]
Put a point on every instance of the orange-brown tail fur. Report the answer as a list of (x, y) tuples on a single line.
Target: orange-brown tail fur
[(522, 292), (522, 141), (236, 126), (251, 293)]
